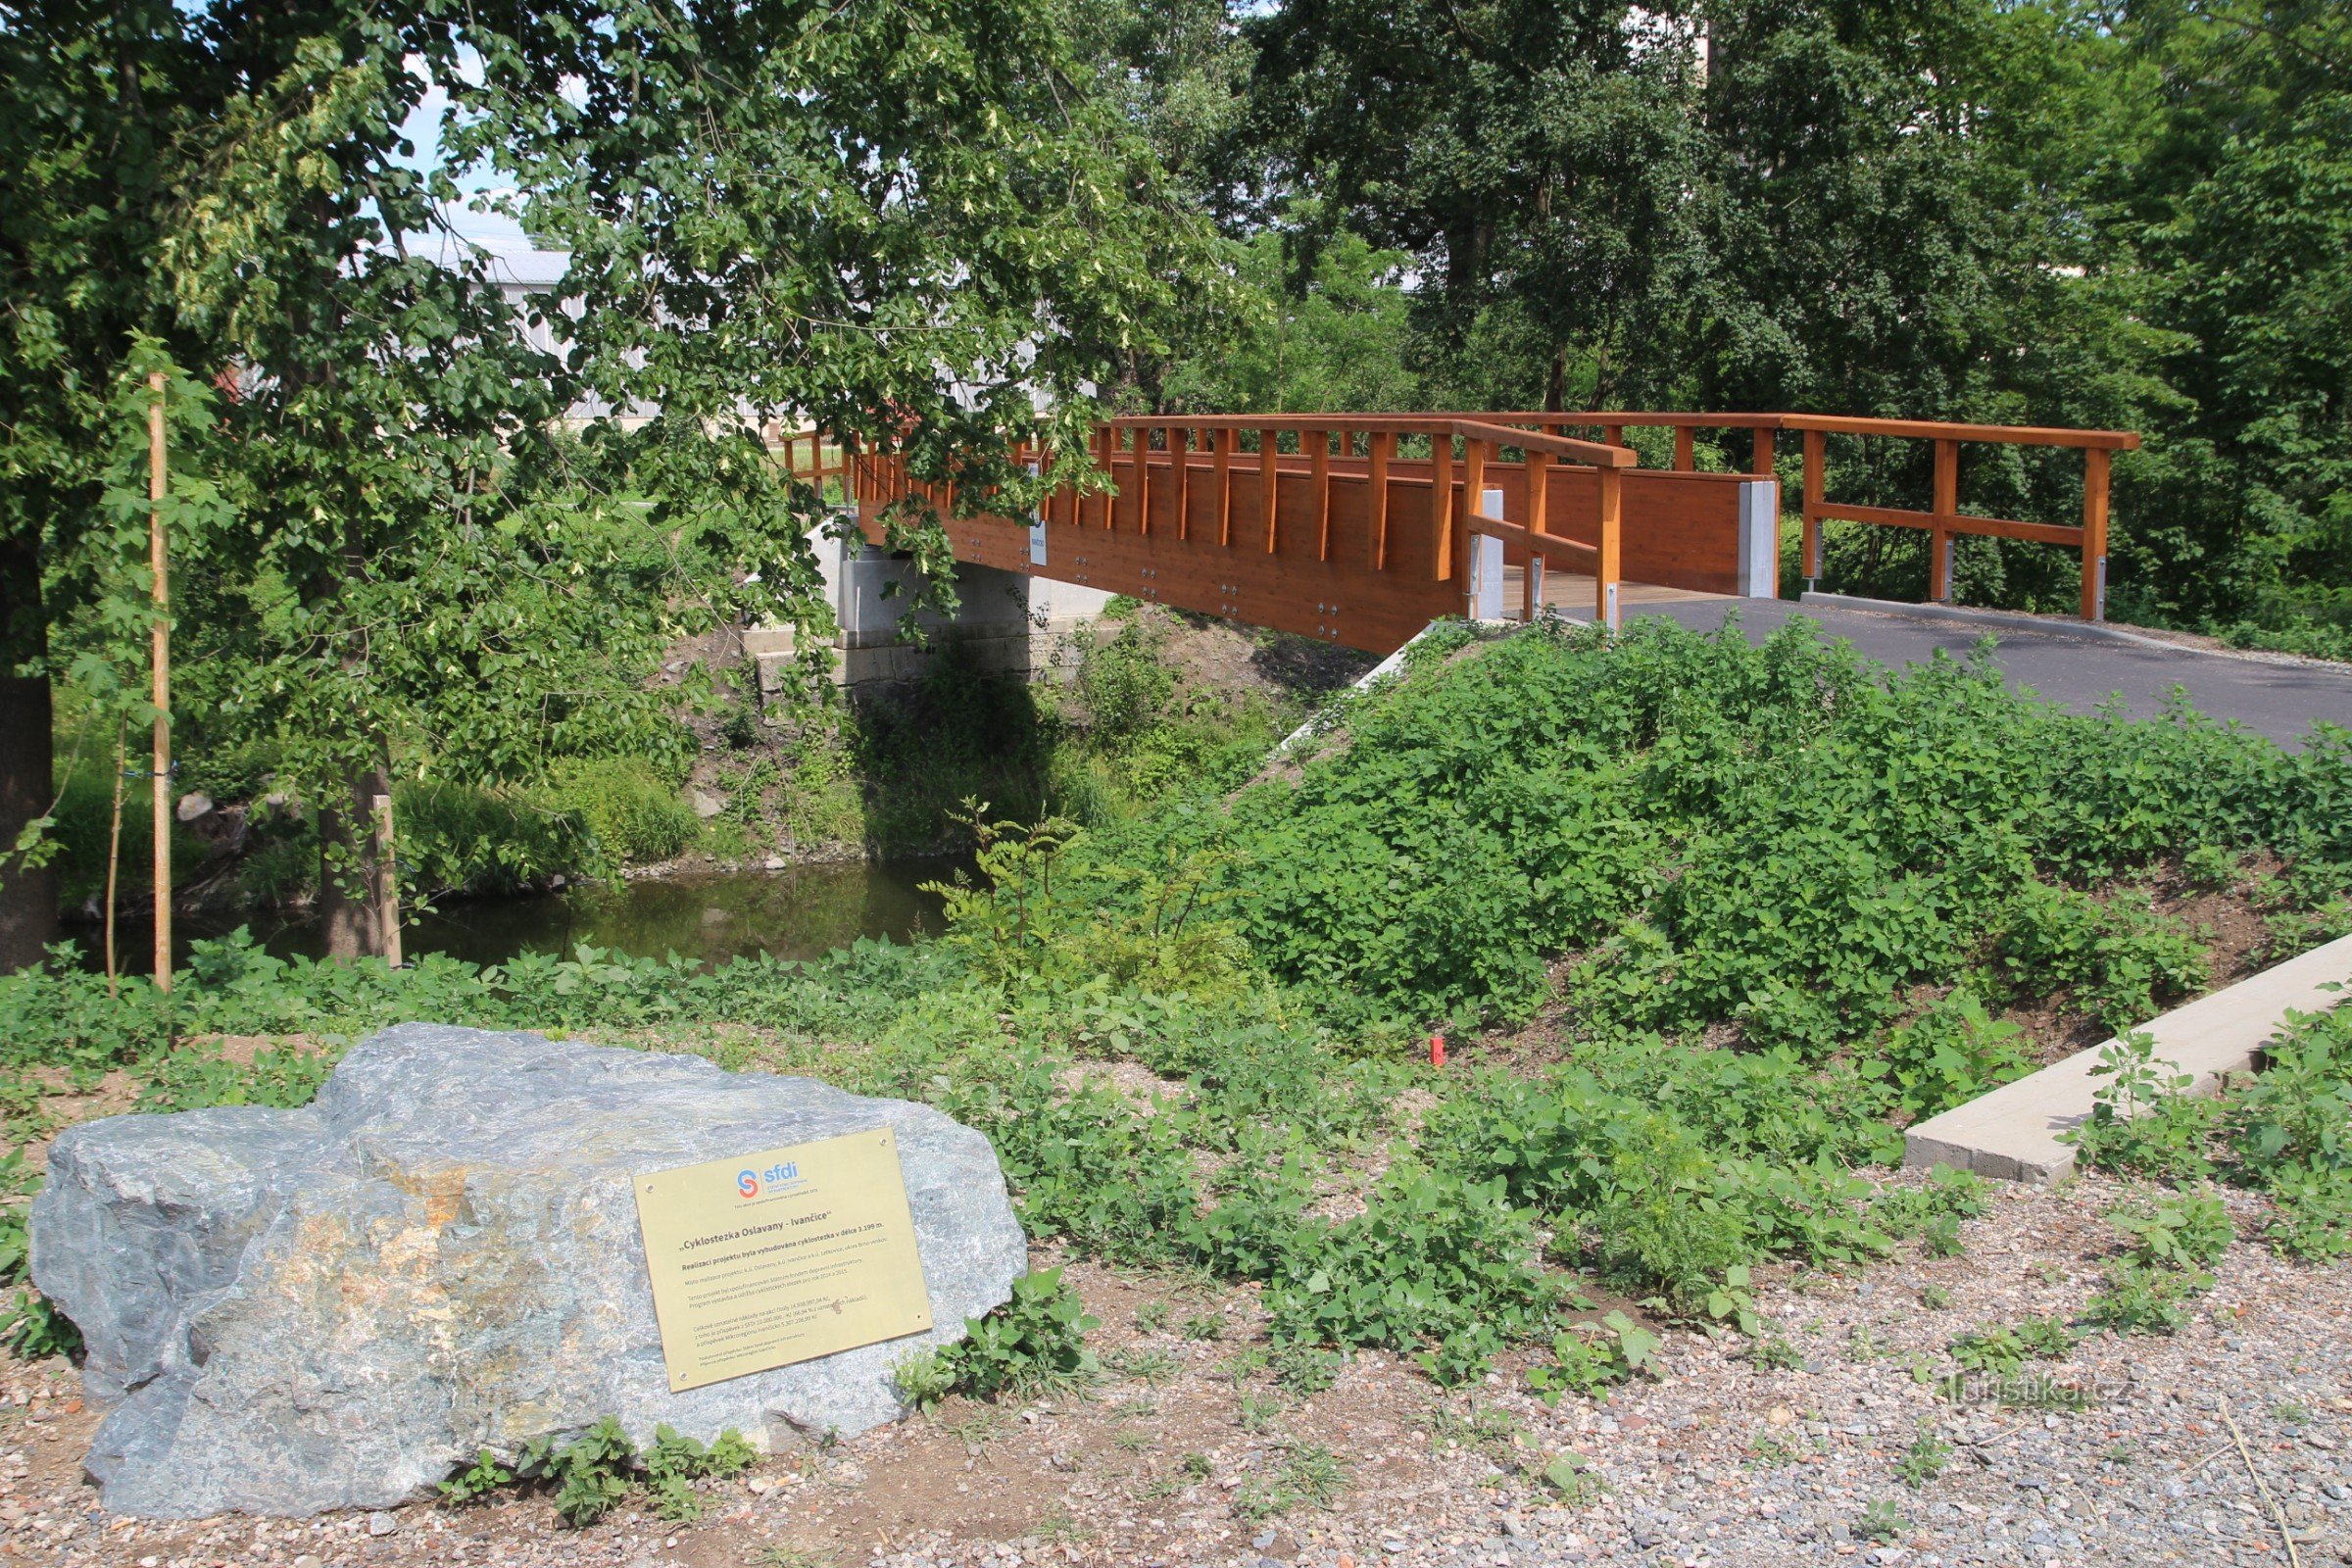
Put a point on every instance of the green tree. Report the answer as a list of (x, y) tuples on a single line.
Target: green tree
[(1333, 339), (1538, 161), (2232, 206), (915, 225)]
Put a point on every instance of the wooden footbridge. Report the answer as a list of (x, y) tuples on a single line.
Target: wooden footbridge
[(1360, 530)]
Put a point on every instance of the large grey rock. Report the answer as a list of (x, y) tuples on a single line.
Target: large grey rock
[(328, 1308)]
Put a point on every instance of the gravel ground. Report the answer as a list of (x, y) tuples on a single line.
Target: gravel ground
[(1722, 1461)]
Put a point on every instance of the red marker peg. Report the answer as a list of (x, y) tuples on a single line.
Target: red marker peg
[(1437, 1051)]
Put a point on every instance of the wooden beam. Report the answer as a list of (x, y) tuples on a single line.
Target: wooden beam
[(1383, 447), (1817, 462), (1945, 509), (1143, 482), (1762, 462), (1180, 457), (1556, 547), (2094, 534), (1225, 439), (1539, 501), (1593, 453), (1106, 442), (2023, 435), (1608, 568), (1474, 504), (1269, 484), (1686, 455), (1318, 449), (1440, 504), (2051, 533)]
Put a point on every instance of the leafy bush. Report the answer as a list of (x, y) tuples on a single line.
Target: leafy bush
[(2140, 1299), (2117, 954), (2284, 1132), (1593, 1358), (1952, 1052), (2143, 1122), (2172, 1240), (633, 815), (601, 1469), (1032, 1343), (2190, 1232), (1782, 839), (592, 1475)]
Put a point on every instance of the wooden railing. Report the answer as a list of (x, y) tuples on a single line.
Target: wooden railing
[(1943, 522), (815, 470), (1206, 450), (1376, 454)]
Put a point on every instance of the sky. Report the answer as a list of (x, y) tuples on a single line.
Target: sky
[(492, 232)]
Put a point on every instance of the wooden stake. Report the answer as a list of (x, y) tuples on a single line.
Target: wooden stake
[(387, 883), (156, 485), (114, 861)]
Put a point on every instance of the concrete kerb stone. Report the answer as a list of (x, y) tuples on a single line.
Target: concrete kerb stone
[(2012, 1133)]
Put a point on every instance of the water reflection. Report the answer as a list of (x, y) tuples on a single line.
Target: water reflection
[(800, 913)]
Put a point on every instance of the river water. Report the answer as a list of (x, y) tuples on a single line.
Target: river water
[(801, 912)]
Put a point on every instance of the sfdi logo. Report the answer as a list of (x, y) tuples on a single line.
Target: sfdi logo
[(748, 1182)]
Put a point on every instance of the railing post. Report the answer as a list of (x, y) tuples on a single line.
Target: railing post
[(1224, 437), (1142, 480), (1685, 458), (1947, 506), (1539, 506), (1817, 463), (2094, 533), (1269, 482), (1605, 569), (1473, 501), (1107, 446), (1319, 446), (1441, 504), (1180, 442), (1761, 464), (1383, 447)]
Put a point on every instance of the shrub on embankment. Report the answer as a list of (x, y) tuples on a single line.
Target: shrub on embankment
[(1785, 840)]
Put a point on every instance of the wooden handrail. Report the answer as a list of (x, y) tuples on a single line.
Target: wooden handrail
[(2029, 435), (1596, 454)]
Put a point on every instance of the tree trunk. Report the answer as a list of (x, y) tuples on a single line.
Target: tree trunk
[(28, 893), (355, 876)]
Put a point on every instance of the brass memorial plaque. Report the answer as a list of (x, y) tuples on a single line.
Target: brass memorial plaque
[(781, 1257)]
